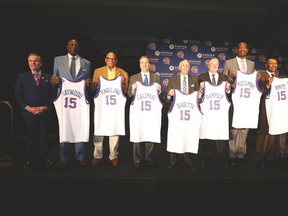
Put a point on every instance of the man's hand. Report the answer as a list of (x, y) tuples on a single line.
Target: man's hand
[(55, 80)]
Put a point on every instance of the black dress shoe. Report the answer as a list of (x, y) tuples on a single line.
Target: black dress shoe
[(27, 165), (137, 164), (150, 163)]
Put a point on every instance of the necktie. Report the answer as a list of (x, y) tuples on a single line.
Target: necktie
[(37, 78), (243, 66), (184, 86), (145, 80), (213, 79), (72, 67), (272, 75)]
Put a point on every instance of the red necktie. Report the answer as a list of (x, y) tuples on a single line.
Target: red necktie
[(37, 78)]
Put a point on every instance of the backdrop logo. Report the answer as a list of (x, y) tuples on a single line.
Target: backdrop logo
[(171, 68), (199, 55), (194, 48), (152, 46), (165, 82), (180, 54), (208, 43), (213, 49), (171, 46), (166, 60), (262, 58), (166, 40), (194, 69), (222, 56), (157, 53), (152, 67)]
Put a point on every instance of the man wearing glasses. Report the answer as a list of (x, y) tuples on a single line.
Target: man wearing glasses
[(110, 72)]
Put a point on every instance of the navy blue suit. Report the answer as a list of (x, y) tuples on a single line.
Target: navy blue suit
[(27, 93)]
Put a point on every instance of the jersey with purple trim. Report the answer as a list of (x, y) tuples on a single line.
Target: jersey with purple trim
[(109, 112), (73, 112), (145, 114), (277, 105), (246, 101), (184, 119), (215, 109)]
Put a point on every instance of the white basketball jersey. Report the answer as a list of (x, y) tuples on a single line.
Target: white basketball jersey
[(277, 106), (73, 112), (184, 119), (109, 112), (246, 100), (145, 114), (215, 109)]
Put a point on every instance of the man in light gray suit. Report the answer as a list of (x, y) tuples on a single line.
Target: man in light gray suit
[(144, 64), (237, 142), (61, 69)]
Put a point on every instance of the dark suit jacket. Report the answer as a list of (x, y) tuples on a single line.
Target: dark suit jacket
[(27, 93), (263, 122), (205, 77), (137, 77), (175, 83)]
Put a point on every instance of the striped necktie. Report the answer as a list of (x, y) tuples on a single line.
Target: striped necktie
[(184, 86)]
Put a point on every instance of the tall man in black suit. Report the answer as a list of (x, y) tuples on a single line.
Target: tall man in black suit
[(176, 82), (34, 94), (144, 64)]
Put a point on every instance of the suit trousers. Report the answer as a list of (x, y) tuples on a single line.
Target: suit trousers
[(282, 146), (80, 149), (238, 145), (265, 147), (113, 147), (174, 159), (137, 152)]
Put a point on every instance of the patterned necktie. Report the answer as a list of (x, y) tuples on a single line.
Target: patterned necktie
[(213, 79), (37, 78), (184, 86), (73, 67), (243, 66), (145, 80)]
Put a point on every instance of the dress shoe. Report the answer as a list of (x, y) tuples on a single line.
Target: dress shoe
[(49, 162), (63, 164), (150, 163), (95, 161), (233, 161), (137, 164), (115, 162), (203, 163), (81, 163), (172, 165), (27, 165)]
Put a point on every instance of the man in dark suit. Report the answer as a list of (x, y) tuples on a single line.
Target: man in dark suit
[(62, 65), (151, 78), (237, 141), (213, 148), (186, 83), (265, 142), (34, 94)]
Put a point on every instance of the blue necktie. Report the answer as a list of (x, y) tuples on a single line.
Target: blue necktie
[(145, 80)]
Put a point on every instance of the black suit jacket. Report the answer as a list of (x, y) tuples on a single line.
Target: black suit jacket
[(205, 77), (27, 93)]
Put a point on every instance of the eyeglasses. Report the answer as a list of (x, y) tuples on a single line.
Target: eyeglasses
[(112, 59)]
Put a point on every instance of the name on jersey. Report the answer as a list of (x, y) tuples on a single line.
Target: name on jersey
[(280, 87), (246, 83), (110, 90), (185, 105), (214, 95), (146, 96), (72, 92)]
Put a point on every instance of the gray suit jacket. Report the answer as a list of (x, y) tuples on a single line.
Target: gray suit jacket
[(61, 68), (137, 77), (232, 65)]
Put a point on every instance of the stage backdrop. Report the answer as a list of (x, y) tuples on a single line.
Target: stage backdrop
[(165, 55)]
